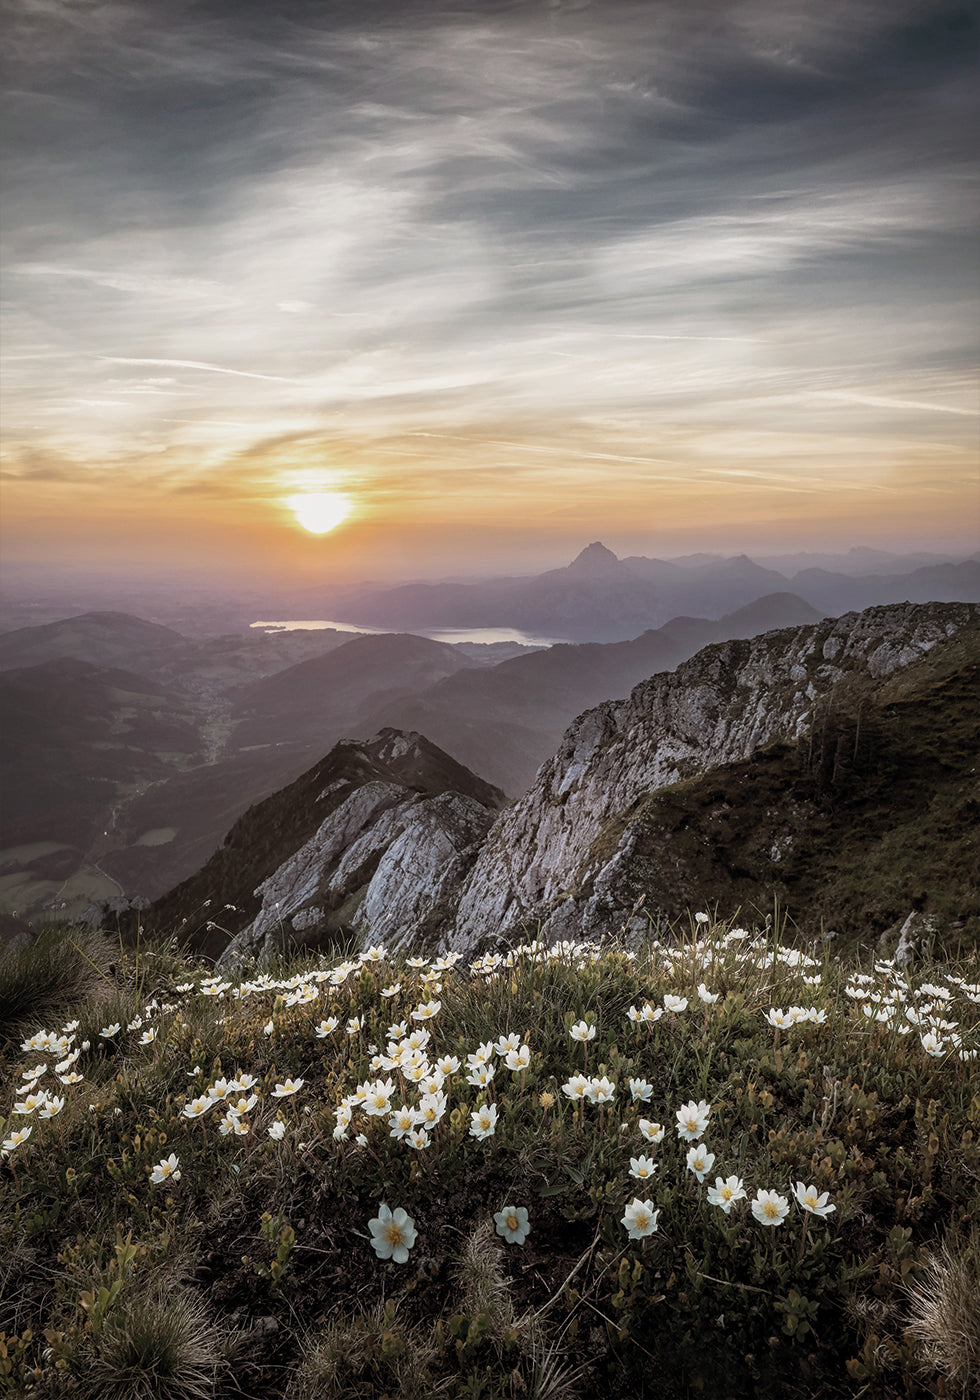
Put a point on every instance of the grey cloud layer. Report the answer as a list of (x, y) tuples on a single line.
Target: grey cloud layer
[(680, 224)]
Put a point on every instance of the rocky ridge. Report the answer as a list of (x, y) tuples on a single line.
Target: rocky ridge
[(727, 701), (446, 869)]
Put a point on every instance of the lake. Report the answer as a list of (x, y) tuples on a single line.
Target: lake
[(449, 635)]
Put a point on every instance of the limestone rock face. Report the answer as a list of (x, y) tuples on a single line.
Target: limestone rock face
[(547, 862), (392, 847)]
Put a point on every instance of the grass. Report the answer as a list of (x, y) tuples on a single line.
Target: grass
[(249, 1269)]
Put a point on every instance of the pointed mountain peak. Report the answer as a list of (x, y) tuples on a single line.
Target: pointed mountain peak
[(594, 561)]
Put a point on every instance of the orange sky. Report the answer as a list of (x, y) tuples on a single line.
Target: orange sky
[(512, 278)]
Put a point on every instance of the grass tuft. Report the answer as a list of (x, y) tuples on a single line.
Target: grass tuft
[(945, 1309)]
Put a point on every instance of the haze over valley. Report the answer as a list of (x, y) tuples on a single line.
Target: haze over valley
[(129, 749)]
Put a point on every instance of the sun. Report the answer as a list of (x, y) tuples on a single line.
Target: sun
[(320, 511)]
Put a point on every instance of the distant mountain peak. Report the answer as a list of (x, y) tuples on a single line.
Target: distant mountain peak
[(594, 561)]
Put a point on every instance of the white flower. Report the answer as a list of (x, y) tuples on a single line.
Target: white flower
[(426, 1010), (391, 991), (577, 1087), (327, 1027), (701, 919), (107, 1032), (197, 1107), (166, 1169), (403, 1121), (673, 1003), (418, 1138), (269, 1027), (642, 1167), (518, 1059), (392, 1234), (277, 1130), (699, 1161), (512, 1224), (769, 1208), (583, 1030), (508, 1042), (31, 1103), (290, 1086), (653, 1132), (640, 1218), (240, 1106), (378, 1101), (432, 1108), (709, 998), (692, 1120), (779, 1018), (483, 1121), (726, 1193), (231, 1124), (811, 1202), (17, 1137), (641, 1090), (601, 1090), (481, 1076)]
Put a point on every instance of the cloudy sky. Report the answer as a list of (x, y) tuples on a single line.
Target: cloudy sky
[(510, 276)]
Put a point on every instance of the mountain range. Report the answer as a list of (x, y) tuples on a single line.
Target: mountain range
[(129, 749), (601, 598), (829, 767)]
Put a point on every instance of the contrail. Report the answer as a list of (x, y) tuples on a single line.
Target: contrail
[(877, 401), (195, 364)]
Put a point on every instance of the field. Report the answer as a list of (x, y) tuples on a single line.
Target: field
[(716, 1163)]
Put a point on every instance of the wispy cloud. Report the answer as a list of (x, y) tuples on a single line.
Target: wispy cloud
[(193, 364), (615, 237)]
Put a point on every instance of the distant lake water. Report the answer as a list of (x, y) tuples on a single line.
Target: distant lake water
[(455, 634)]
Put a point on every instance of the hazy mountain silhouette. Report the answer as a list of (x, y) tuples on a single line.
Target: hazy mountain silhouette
[(504, 721), (598, 597), (330, 693), (101, 638), (74, 739)]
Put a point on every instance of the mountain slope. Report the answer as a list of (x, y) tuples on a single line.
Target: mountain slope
[(792, 765), (544, 860), (329, 694), (378, 831), (100, 638), (505, 721)]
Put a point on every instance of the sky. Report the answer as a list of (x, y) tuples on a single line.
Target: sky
[(509, 277)]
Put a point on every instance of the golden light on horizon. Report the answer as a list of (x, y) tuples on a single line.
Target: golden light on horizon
[(319, 512)]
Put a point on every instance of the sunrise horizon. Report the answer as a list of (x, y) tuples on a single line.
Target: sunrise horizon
[(501, 278)]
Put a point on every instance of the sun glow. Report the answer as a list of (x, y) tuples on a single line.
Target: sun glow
[(320, 511)]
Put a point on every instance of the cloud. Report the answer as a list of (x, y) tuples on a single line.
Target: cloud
[(192, 364), (610, 238)]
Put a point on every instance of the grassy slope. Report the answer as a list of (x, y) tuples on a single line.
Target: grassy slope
[(254, 1272), (872, 816)]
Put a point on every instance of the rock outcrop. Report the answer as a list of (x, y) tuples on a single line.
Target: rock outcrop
[(373, 838), (554, 860)]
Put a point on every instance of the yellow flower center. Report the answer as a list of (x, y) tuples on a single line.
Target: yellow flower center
[(513, 1223), (393, 1234), (726, 1193), (770, 1211), (642, 1220)]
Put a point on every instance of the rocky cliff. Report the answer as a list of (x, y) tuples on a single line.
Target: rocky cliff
[(557, 858), (394, 840), (376, 836)]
